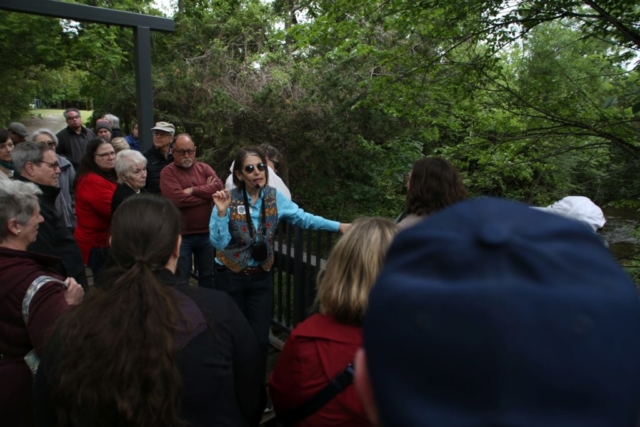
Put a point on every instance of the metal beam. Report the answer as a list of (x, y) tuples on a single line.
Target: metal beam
[(81, 12), (144, 88)]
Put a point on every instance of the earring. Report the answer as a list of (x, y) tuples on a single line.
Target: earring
[(19, 232)]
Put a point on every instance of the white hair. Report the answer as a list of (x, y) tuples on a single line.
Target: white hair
[(114, 120), (39, 132), (18, 200), (126, 160)]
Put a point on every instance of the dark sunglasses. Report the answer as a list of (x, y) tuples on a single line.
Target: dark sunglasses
[(250, 168)]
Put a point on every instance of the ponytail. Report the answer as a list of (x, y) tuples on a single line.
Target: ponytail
[(118, 362)]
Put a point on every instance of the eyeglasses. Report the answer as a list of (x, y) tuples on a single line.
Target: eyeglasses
[(250, 168), (190, 151), (51, 144), (139, 171), (72, 117), (52, 165), (160, 133), (7, 146), (107, 154)]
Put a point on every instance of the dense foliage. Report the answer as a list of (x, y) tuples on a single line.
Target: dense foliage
[(531, 99)]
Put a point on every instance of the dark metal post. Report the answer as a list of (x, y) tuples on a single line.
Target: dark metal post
[(144, 89), (299, 309)]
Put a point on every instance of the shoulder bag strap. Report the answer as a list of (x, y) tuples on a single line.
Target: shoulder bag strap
[(261, 219), (336, 386)]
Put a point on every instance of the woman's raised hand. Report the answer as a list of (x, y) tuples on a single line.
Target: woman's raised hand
[(222, 199)]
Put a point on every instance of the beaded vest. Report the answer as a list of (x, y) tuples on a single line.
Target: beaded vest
[(237, 254)]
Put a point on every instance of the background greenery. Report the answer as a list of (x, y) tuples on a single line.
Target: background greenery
[(532, 100)]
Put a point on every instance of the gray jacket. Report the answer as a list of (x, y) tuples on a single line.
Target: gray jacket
[(64, 202)]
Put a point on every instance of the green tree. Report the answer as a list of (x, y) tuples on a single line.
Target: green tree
[(32, 46)]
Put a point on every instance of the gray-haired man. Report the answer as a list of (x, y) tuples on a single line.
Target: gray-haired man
[(37, 163)]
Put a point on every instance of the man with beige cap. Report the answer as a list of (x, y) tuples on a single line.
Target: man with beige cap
[(159, 155)]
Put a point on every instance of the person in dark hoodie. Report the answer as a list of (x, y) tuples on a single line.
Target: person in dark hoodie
[(490, 313), (37, 163), (144, 348)]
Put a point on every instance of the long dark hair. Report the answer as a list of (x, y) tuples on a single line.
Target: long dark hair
[(4, 135), (242, 154), (434, 184), (118, 359), (88, 162)]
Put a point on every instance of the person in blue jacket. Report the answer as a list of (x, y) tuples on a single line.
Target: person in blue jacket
[(245, 248)]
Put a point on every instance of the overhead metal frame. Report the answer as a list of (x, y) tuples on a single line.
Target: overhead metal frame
[(142, 26)]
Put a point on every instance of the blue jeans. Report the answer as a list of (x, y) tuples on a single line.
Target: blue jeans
[(200, 247)]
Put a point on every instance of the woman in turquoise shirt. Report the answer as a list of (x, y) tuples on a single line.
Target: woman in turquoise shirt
[(245, 248)]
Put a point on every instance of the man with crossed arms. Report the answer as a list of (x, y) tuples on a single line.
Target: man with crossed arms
[(190, 185)]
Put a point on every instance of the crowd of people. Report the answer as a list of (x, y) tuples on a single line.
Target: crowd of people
[(458, 313)]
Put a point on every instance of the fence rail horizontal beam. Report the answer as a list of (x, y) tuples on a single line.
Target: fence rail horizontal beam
[(84, 13)]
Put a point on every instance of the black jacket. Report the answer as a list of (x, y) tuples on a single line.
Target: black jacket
[(155, 163), (122, 193), (72, 145), (220, 363), (54, 238)]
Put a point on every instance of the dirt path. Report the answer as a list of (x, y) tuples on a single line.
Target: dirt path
[(50, 119)]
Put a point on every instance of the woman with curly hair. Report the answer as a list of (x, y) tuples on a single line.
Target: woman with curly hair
[(145, 349), (434, 183)]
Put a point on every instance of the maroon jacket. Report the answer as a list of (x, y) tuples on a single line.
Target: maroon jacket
[(18, 269), (317, 350), (195, 207)]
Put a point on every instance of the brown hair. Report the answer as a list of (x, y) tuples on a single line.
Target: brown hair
[(117, 363), (352, 268), (242, 154), (88, 162), (433, 185)]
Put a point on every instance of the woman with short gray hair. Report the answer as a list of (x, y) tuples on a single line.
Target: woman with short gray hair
[(33, 297), (131, 168), (64, 203)]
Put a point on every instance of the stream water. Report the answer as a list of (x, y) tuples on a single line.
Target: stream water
[(618, 231)]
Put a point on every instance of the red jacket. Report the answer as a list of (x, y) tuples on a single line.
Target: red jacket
[(317, 350), (196, 207), (93, 211), (18, 269)]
